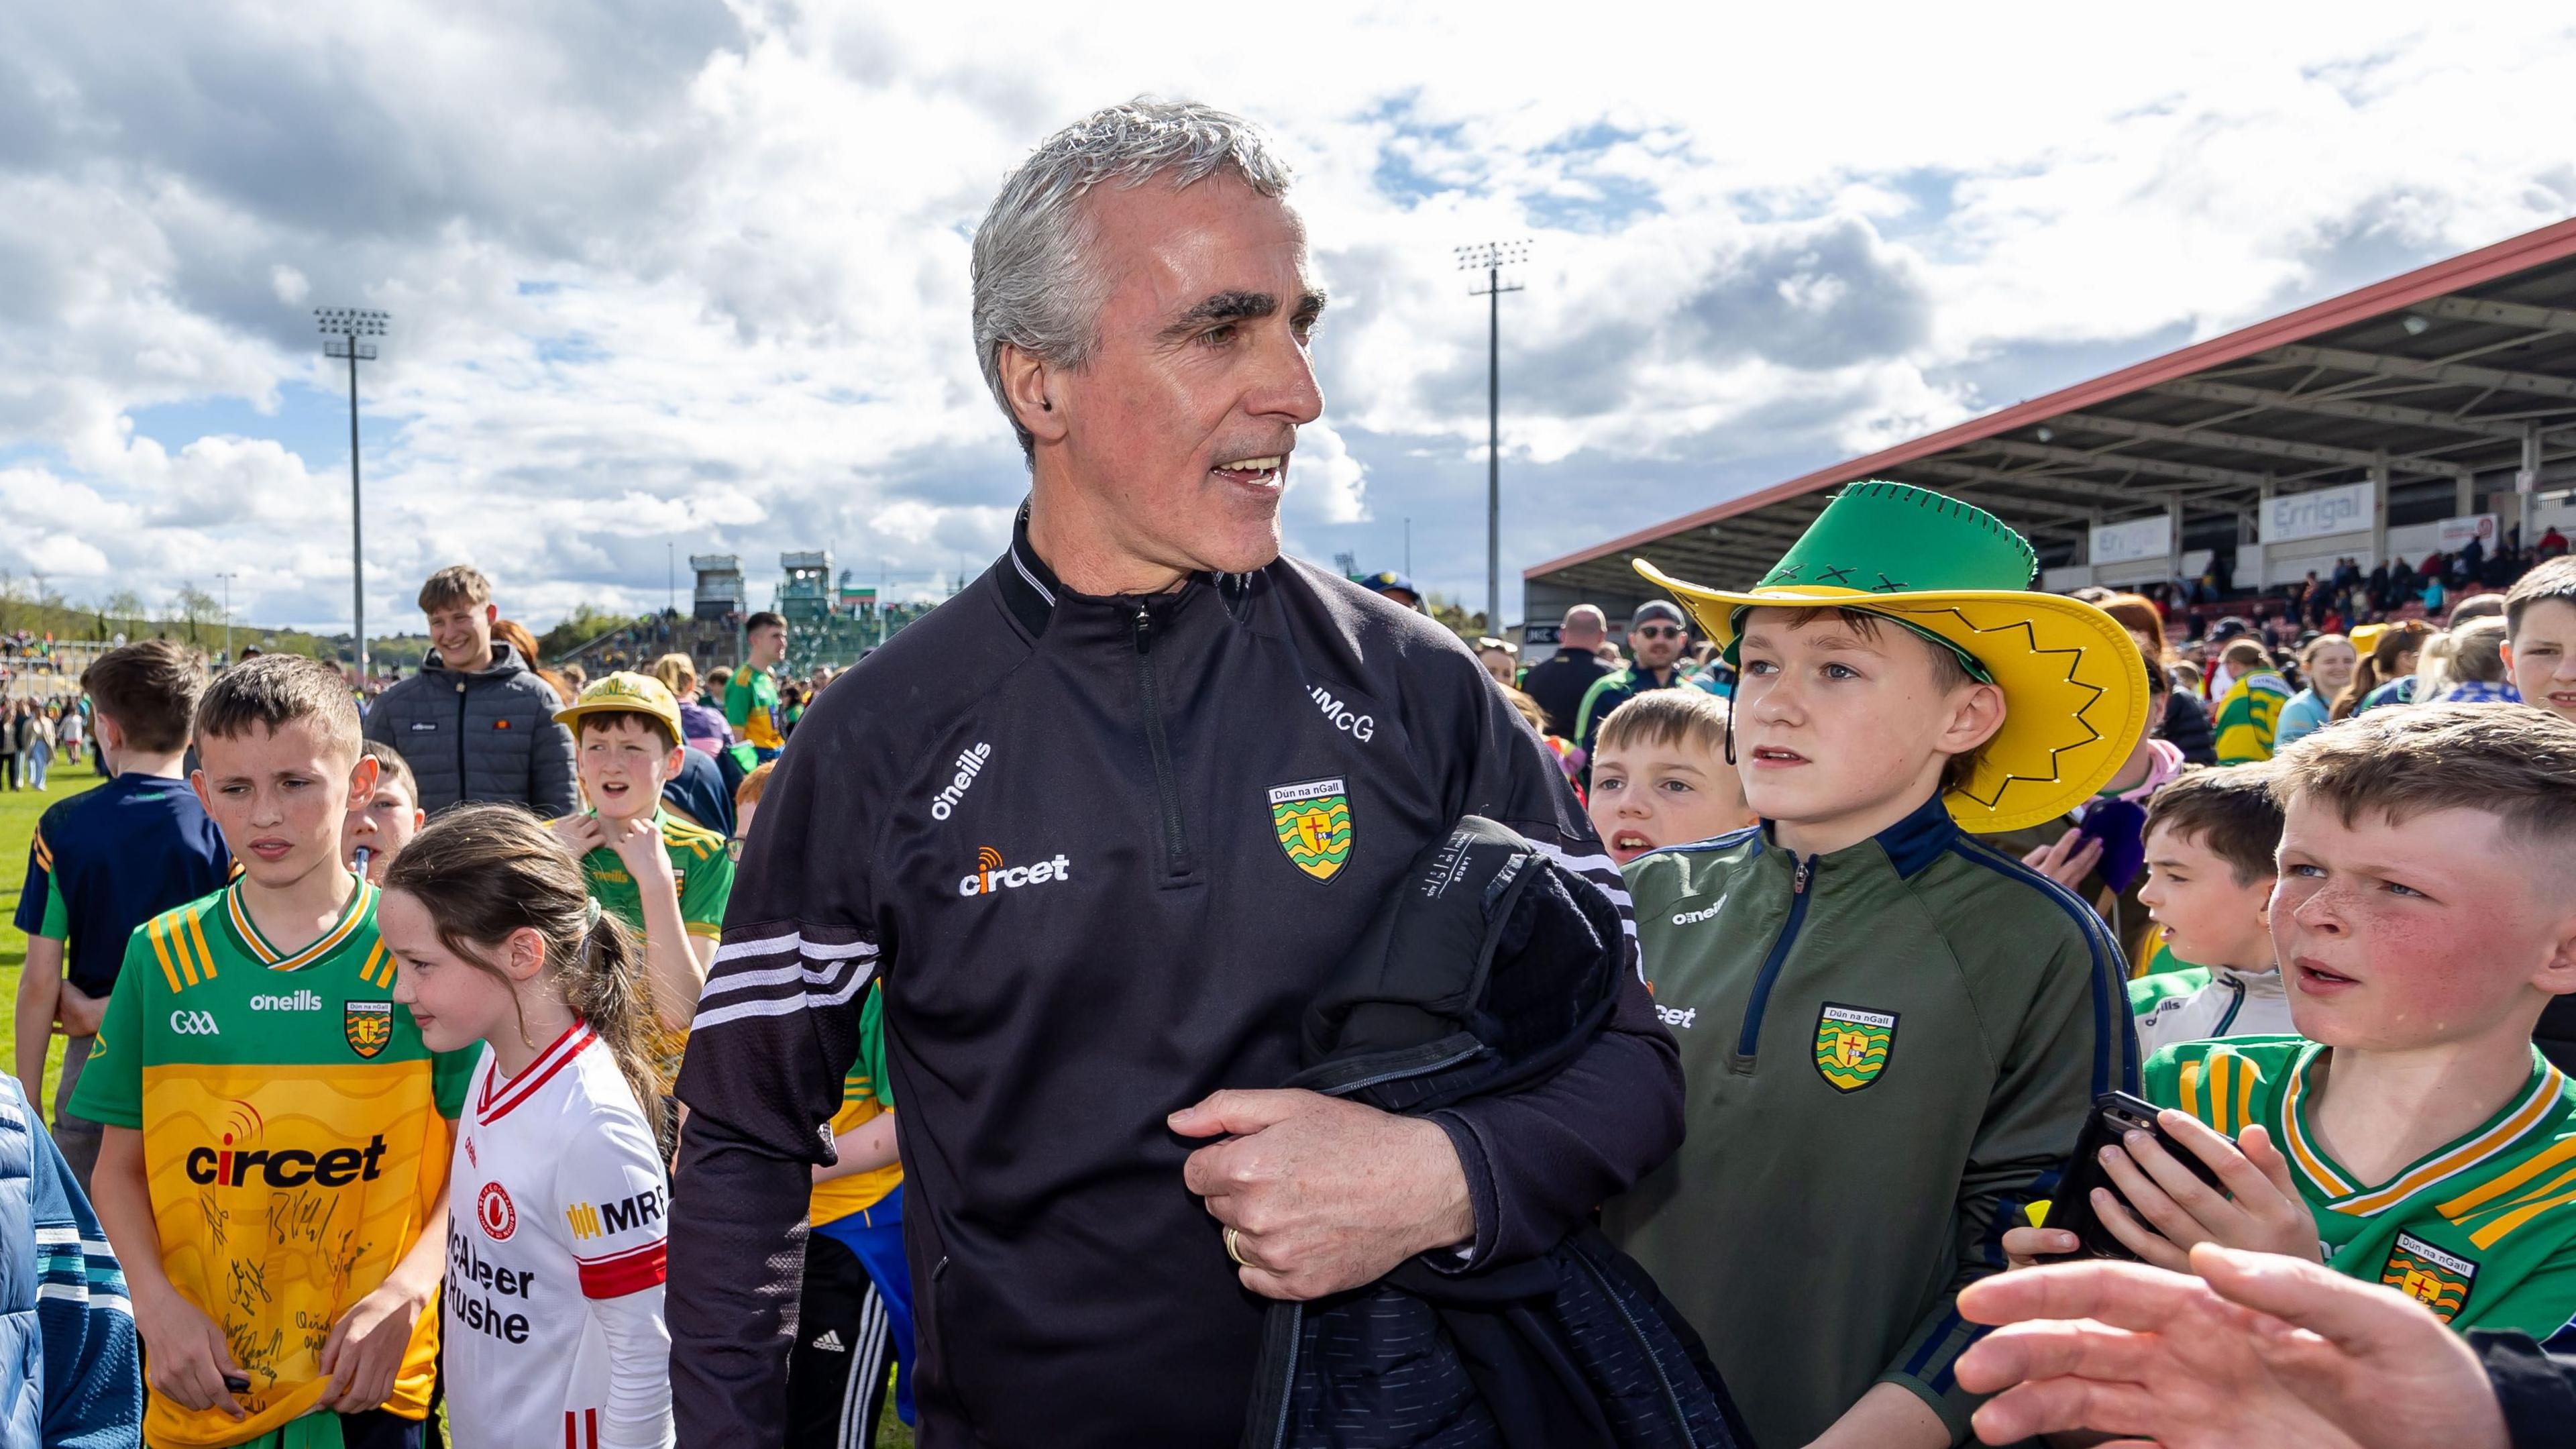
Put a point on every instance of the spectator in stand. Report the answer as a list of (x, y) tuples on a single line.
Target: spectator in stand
[(2392, 657), (2553, 543), (476, 723), (1656, 637), (2325, 668), (9, 765), (1560, 681), (2185, 722)]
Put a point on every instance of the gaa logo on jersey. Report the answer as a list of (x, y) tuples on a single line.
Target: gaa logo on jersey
[(2438, 1280), (492, 1208), (369, 1027), (1852, 1045), (1313, 821)]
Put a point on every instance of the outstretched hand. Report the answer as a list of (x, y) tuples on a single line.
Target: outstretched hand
[(1323, 1195)]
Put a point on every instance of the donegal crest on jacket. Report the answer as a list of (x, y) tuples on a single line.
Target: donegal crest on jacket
[(1314, 825), (2436, 1279), (369, 1026), (1852, 1045)]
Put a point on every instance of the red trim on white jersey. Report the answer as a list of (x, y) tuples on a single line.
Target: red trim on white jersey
[(492, 1105), (632, 1271), (582, 1433)]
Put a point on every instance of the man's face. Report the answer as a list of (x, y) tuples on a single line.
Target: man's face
[(2205, 913), (2395, 936), (280, 796), (1179, 428), (1656, 642), (623, 766), (462, 632), (2542, 655), (768, 645)]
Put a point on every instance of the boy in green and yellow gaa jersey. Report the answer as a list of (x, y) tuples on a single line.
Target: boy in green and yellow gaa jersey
[(627, 746), (295, 1135), (2482, 1231)]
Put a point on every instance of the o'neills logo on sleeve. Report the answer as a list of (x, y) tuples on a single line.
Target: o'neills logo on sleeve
[(970, 763), (992, 875)]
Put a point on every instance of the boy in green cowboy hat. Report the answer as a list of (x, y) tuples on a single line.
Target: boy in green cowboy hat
[(1891, 1033)]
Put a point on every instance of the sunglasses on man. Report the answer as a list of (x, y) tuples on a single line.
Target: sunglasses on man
[(1656, 631)]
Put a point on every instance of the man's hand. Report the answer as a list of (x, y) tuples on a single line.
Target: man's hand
[(2261, 1210), (366, 1347), (2068, 859), (1323, 1194), (79, 1012), (2127, 1349), (189, 1358)]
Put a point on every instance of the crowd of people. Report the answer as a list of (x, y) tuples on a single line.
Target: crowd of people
[(1171, 994)]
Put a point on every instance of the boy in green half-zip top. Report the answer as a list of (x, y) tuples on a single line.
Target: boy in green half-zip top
[(1890, 1033)]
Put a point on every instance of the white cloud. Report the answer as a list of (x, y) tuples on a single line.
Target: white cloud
[(673, 273)]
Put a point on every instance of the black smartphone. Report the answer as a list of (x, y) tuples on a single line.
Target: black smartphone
[(2114, 1116)]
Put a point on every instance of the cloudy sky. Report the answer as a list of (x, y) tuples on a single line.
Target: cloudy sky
[(674, 271)]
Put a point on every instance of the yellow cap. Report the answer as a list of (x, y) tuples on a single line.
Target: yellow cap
[(625, 692)]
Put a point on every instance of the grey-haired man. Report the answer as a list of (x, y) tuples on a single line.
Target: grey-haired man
[(1102, 825)]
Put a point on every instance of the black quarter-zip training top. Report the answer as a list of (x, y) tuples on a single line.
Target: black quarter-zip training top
[(1102, 852)]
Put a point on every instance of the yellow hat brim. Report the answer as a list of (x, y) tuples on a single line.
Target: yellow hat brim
[(2075, 699)]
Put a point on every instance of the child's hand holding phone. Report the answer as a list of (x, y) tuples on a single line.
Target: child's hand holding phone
[(2129, 1193), (2163, 1207)]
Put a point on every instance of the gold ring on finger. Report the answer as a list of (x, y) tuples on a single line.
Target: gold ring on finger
[(1234, 1249)]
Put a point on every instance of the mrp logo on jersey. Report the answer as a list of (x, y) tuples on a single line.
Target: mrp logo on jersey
[(992, 876), (620, 1216), (1360, 727)]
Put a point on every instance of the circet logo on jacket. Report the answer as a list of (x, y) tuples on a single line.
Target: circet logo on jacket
[(1852, 1045), (493, 1209), (369, 1027), (992, 876), (1314, 825)]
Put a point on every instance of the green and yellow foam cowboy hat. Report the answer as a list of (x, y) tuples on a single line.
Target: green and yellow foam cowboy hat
[(2075, 699)]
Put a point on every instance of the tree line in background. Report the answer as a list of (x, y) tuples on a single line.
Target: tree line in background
[(29, 605)]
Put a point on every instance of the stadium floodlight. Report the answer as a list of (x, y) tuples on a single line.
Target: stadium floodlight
[(228, 578), (344, 330), (1490, 258)]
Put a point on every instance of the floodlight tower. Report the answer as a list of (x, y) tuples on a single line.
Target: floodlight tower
[(1490, 258), (343, 332), (228, 615)]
